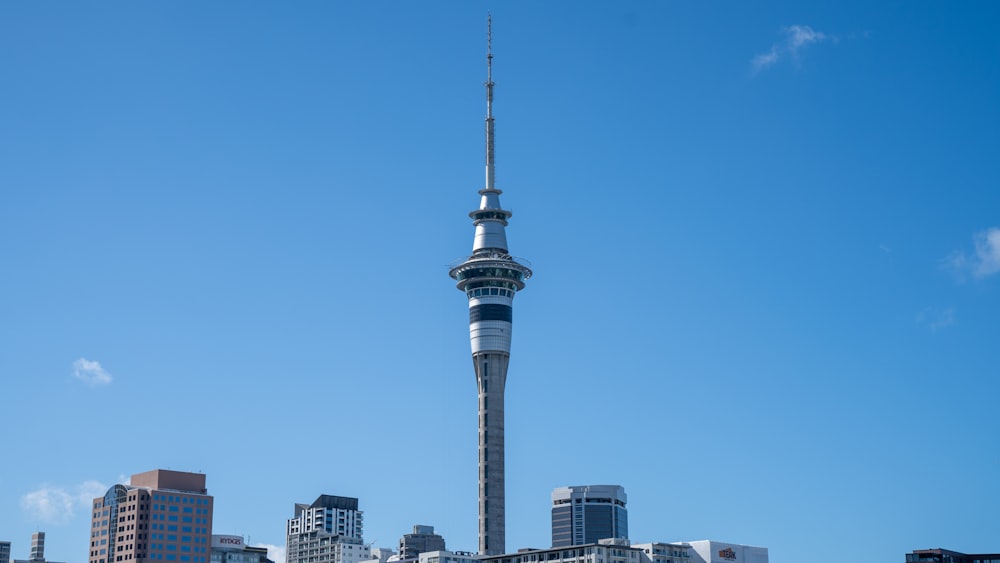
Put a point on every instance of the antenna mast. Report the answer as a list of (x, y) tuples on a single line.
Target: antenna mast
[(489, 103)]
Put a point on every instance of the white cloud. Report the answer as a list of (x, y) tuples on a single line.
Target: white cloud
[(56, 505), (90, 372), (936, 319), (275, 553), (89, 490), (50, 505), (987, 261), (984, 261), (797, 37), (801, 35), (765, 60)]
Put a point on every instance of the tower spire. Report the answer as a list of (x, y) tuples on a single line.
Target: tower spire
[(490, 173)]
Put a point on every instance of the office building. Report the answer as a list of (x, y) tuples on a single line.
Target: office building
[(37, 553), (709, 551), (327, 531), (939, 555), (490, 277), (585, 514), (232, 549), (422, 540), (161, 515), (37, 547), (4, 552)]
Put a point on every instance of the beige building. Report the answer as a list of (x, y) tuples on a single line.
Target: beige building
[(37, 550), (161, 515)]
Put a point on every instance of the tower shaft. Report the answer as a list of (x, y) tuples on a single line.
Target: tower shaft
[(491, 377)]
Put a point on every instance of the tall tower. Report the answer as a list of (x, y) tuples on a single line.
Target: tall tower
[(490, 278)]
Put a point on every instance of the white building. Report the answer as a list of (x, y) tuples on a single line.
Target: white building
[(233, 549), (604, 551), (619, 551), (660, 552), (708, 551), (380, 555), (327, 531), (447, 557)]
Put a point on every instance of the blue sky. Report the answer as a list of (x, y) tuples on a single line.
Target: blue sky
[(766, 245)]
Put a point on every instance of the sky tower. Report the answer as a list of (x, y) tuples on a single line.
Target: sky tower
[(490, 278)]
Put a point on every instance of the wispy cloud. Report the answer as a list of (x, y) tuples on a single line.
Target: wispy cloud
[(275, 553), (91, 372), (56, 505), (936, 319), (796, 38), (983, 262)]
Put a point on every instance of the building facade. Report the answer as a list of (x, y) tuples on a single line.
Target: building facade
[(444, 556), (710, 551), (660, 552), (381, 555), (4, 552), (422, 540), (37, 553), (586, 514), (947, 556), (161, 515), (606, 551), (327, 531), (232, 549), (37, 547), (489, 278)]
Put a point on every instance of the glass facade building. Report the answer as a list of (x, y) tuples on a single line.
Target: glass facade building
[(587, 514), (161, 515)]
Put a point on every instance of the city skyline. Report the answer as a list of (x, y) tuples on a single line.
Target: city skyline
[(769, 237)]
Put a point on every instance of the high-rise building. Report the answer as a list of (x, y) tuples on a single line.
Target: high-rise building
[(327, 531), (161, 515), (490, 277), (37, 547), (37, 554), (585, 514), (422, 540), (4, 552)]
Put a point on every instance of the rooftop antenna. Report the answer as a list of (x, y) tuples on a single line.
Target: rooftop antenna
[(490, 175)]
